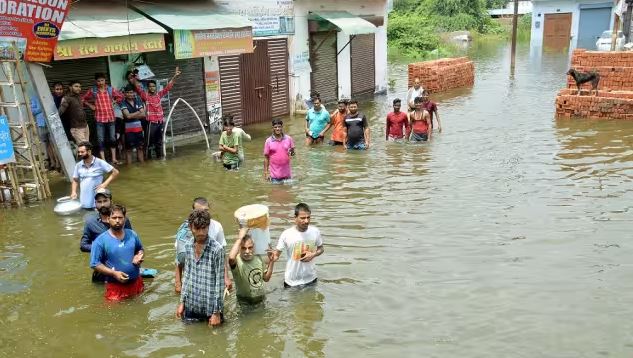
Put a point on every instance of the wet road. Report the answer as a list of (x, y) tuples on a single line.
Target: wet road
[(506, 236)]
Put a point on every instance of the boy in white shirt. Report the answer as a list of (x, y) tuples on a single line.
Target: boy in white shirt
[(302, 244)]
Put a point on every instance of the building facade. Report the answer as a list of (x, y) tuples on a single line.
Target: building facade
[(569, 24)]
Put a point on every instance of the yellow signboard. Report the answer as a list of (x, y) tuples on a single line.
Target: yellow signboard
[(109, 46)]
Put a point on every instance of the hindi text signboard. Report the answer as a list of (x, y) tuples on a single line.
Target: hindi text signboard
[(109, 46), (216, 42)]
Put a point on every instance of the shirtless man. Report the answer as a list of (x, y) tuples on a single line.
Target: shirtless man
[(420, 120)]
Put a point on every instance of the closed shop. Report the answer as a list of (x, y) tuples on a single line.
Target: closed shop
[(230, 87), (324, 75), (189, 86), (363, 64), (254, 86)]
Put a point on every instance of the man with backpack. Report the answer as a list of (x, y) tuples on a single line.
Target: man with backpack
[(104, 98)]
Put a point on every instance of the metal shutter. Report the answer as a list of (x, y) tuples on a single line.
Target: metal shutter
[(230, 87), (255, 84), (363, 65), (189, 86), (324, 76), (278, 53)]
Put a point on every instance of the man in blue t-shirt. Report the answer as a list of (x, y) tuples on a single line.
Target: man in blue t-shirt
[(317, 122), (118, 254)]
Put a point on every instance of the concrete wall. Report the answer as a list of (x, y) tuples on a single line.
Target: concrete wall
[(540, 8), (299, 46)]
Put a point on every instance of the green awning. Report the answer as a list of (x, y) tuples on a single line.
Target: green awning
[(194, 16), (346, 22), (86, 20)]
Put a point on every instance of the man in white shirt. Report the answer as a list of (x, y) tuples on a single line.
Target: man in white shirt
[(413, 93), (302, 244)]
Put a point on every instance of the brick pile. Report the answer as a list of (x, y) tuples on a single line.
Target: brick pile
[(443, 74), (615, 98)]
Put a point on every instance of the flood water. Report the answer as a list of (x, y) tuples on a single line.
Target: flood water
[(506, 236)]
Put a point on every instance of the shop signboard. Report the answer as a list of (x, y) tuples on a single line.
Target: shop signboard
[(6, 144), (29, 29), (269, 17), (214, 42), (109, 46)]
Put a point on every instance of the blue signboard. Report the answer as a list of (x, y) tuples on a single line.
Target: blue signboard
[(6, 144)]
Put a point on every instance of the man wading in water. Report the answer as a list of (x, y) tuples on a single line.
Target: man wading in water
[(201, 298), (357, 134), (118, 254), (420, 122), (317, 123), (302, 244)]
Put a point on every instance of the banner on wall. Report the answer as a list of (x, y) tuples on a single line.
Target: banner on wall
[(109, 46), (269, 17), (212, 81), (6, 144), (215, 42), (31, 26)]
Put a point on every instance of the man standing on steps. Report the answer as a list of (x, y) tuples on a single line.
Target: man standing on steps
[(88, 176), (104, 97), (357, 135), (154, 113), (72, 109), (413, 93)]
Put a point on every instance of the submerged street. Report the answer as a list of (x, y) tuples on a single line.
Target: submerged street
[(504, 236)]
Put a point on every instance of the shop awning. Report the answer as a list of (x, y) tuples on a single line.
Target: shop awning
[(200, 29), (346, 22), (105, 29)]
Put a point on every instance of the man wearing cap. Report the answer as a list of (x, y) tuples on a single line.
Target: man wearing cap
[(88, 175), (97, 223)]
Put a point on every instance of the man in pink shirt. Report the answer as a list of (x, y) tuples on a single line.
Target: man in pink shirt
[(278, 149)]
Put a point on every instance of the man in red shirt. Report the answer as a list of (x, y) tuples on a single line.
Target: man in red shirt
[(104, 97), (396, 122), (154, 113), (431, 107)]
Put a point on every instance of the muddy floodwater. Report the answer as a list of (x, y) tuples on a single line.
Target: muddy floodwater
[(508, 235)]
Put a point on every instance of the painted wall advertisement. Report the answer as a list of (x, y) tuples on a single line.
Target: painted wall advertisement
[(6, 145), (269, 17), (216, 42), (30, 29)]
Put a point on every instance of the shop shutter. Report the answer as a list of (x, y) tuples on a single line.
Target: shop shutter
[(278, 53), (255, 84), (189, 86), (230, 87), (82, 70), (324, 75), (363, 65)]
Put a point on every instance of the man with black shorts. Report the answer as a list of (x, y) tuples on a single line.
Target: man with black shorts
[(133, 112)]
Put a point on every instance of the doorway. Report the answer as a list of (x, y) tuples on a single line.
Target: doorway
[(556, 31)]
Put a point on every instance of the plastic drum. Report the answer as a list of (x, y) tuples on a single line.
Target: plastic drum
[(67, 206), (255, 217)]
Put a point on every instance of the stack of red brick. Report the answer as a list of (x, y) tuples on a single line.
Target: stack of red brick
[(615, 90), (443, 74)]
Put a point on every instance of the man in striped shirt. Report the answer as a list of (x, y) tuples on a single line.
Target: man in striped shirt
[(154, 113), (104, 97), (201, 297)]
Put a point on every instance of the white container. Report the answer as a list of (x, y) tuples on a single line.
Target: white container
[(256, 218), (67, 206)]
